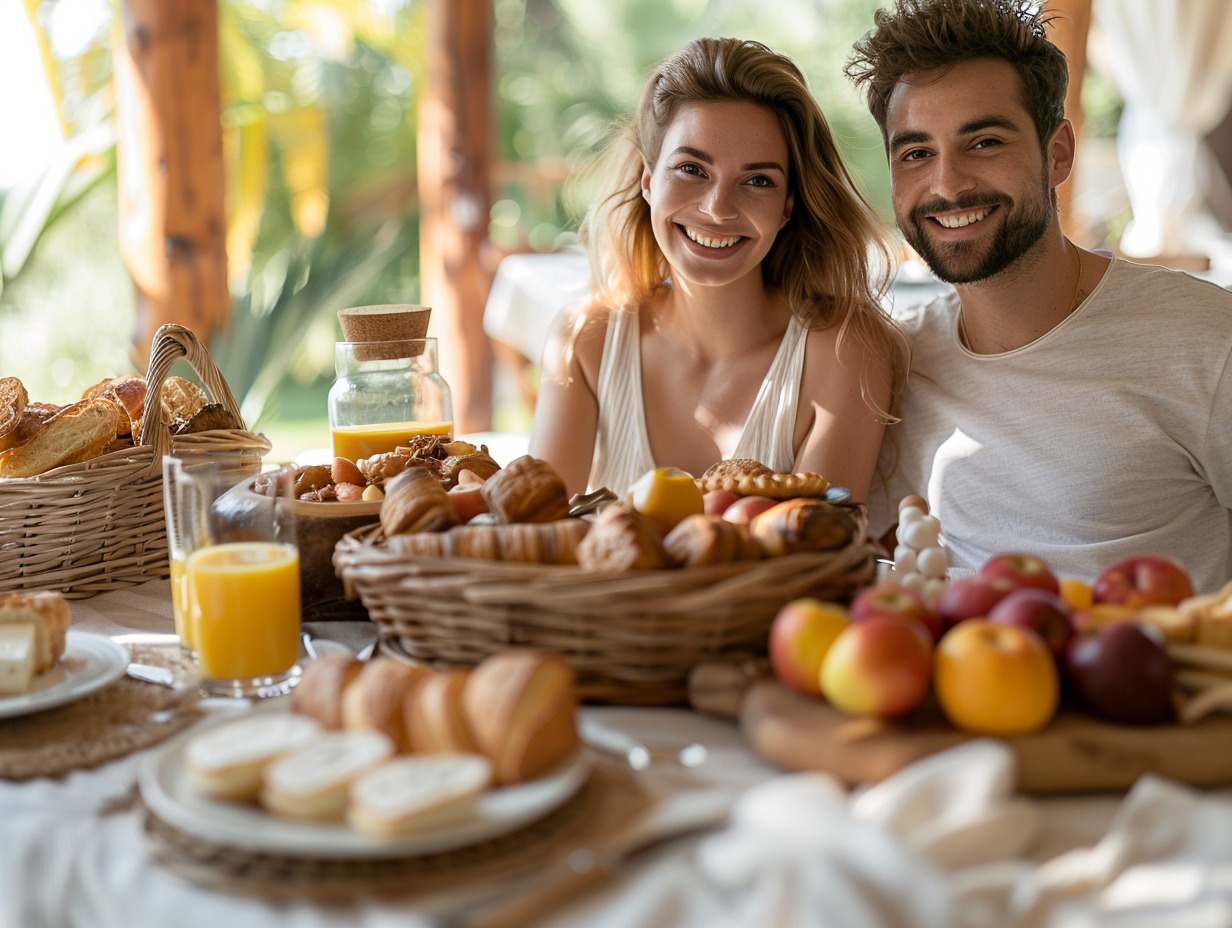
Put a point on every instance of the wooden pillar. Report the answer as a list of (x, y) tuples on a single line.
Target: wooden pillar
[(170, 165), (1069, 32), (455, 166)]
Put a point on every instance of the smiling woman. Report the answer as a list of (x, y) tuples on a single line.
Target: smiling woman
[(735, 312)]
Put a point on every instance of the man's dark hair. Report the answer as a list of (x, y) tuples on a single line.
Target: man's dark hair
[(921, 35)]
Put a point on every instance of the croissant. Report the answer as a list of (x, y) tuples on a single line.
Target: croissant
[(705, 539), (622, 539), (532, 543), (526, 490), (802, 525), (415, 501)]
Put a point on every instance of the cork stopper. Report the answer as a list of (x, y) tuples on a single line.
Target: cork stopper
[(392, 323)]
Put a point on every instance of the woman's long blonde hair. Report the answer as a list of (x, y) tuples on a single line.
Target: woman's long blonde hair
[(832, 260)]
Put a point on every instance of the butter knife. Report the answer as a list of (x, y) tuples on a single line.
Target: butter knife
[(149, 673)]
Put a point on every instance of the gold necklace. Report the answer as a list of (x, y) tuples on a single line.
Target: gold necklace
[(1074, 303)]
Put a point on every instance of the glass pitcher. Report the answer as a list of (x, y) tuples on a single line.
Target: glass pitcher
[(385, 394)]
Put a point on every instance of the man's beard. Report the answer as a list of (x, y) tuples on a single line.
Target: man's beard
[(962, 262)]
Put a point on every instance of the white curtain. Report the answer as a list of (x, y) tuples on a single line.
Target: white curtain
[(1171, 62)]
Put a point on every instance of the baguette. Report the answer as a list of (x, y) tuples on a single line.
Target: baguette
[(13, 400), (76, 433), (410, 793), (435, 720), (311, 784), (128, 391), (33, 418), (374, 700), (318, 694), (227, 761)]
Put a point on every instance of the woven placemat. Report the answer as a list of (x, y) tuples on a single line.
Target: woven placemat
[(126, 716), (610, 797)]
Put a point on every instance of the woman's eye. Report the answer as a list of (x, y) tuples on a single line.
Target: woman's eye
[(690, 168), (760, 180)]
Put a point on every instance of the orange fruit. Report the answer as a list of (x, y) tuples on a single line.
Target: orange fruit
[(665, 496), (1076, 593)]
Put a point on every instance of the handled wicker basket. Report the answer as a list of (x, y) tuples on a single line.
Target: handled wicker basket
[(631, 637), (94, 526)]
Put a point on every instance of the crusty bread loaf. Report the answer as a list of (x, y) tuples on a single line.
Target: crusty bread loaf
[(227, 761), (76, 433), (128, 390), (318, 694), (311, 784), (520, 705), (33, 418), (375, 698), (13, 400), (48, 612), (411, 793), (435, 720)]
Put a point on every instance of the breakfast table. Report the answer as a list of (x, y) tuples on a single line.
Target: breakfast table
[(695, 829)]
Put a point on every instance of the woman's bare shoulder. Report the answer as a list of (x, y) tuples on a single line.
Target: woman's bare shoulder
[(577, 335)]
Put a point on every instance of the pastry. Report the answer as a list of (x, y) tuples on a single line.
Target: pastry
[(802, 525), (1211, 617), (521, 706), (13, 400), (415, 501), (318, 694), (621, 538), (210, 417), (410, 793), (705, 539), (77, 433), (435, 721), (527, 490), (374, 700), (180, 399), (747, 477), (311, 783), (227, 761), (48, 612), (531, 543), (477, 462)]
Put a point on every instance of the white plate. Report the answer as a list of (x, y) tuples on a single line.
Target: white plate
[(165, 789), (90, 662)]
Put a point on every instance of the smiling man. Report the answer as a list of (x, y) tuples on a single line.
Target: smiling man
[(1061, 402)]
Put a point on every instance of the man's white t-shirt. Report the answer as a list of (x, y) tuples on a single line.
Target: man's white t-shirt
[(1109, 436)]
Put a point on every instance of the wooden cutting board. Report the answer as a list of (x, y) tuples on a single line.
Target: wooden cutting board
[(1075, 753)]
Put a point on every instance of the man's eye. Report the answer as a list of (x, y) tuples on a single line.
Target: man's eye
[(914, 154), (987, 143)]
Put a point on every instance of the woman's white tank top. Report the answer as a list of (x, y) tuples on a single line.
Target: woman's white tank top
[(622, 447)]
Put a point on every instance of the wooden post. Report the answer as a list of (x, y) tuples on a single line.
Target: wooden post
[(170, 165), (1070, 32), (455, 166)]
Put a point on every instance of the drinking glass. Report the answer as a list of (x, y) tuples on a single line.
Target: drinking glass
[(240, 593)]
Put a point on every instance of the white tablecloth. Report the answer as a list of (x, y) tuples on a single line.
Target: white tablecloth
[(945, 842)]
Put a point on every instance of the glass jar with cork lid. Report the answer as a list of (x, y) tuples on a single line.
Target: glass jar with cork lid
[(389, 388)]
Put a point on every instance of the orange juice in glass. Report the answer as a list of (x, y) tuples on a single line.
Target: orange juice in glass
[(245, 601)]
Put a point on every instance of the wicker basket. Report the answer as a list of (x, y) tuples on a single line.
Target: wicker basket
[(90, 527), (631, 637)]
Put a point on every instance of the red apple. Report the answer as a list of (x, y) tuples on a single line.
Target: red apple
[(715, 502), (1046, 614), (800, 636), (1122, 674), (879, 667), (1020, 570), (744, 509), (891, 600), (970, 598), (1144, 580)]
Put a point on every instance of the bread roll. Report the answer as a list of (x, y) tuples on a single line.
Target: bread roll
[(76, 433), (311, 784), (318, 694), (435, 720), (621, 538), (13, 400), (411, 793), (374, 700), (802, 525), (227, 761), (527, 490), (520, 705), (415, 501), (48, 612)]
